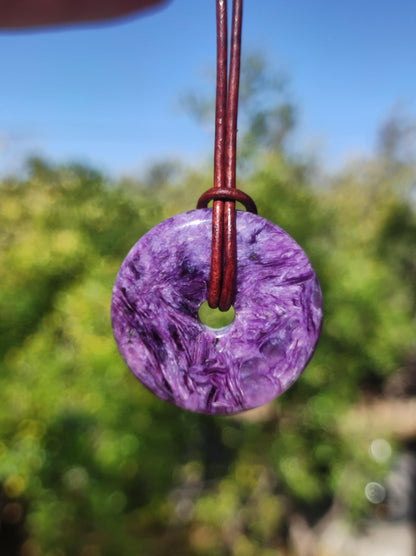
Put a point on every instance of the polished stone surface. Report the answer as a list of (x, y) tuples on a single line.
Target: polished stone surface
[(161, 285)]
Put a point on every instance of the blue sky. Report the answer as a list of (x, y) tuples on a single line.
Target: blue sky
[(108, 95)]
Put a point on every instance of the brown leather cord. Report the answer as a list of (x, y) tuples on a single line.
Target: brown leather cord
[(219, 155), (218, 193), (224, 193)]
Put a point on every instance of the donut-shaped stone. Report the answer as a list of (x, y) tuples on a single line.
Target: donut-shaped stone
[(278, 312)]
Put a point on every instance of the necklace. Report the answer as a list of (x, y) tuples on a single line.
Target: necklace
[(256, 267)]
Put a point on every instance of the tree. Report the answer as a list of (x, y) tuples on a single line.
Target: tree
[(91, 462)]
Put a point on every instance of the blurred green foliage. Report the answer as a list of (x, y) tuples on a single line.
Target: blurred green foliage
[(97, 464)]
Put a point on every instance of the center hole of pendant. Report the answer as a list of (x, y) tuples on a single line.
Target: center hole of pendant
[(214, 318)]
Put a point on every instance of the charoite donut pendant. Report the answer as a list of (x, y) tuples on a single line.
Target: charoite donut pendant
[(278, 313)]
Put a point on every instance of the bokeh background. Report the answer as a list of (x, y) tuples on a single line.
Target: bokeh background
[(90, 462)]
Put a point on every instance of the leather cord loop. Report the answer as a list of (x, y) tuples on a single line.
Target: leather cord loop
[(224, 193)]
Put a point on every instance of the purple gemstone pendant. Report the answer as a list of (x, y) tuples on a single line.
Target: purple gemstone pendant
[(278, 313)]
